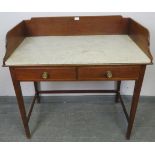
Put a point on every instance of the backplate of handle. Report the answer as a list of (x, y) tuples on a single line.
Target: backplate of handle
[(109, 74), (45, 75)]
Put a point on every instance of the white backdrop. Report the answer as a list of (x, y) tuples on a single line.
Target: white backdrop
[(9, 20)]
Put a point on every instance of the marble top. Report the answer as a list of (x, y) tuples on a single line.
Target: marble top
[(74, 50)]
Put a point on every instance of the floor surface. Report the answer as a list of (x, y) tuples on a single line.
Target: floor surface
[(77, 118)]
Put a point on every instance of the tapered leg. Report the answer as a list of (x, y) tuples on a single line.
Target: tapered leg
[(135, 99), (21, 105), (36, 87), (118, 91)]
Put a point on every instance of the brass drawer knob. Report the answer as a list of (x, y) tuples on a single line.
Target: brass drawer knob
[(45, 75), (109, 74)]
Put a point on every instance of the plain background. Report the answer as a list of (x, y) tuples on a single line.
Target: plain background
[(83, 6), (9, 20)]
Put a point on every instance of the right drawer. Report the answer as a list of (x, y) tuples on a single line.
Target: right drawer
[(97, 73)]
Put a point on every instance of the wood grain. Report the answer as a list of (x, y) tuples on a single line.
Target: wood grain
[(20, 102), (135, 99), (99, 73), (76, 73), (94, 25), (140, 35), (54, 73), (13, 38)]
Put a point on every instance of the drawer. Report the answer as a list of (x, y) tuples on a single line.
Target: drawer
[(45, 73), (109, 73)]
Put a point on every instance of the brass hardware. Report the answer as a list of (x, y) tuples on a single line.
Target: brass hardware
[(109, 74), (45, 75)]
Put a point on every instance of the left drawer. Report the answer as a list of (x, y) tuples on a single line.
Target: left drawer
[(45, 73)]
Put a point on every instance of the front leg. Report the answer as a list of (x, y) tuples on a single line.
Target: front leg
[(20, 101), (135, 99)]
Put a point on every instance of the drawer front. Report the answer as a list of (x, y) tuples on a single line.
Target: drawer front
[(109, 73), (45, 73)]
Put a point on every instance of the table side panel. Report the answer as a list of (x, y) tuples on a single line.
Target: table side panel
[(140, 35), (13, 39)]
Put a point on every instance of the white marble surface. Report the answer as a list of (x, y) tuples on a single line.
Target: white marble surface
[(93, 49)]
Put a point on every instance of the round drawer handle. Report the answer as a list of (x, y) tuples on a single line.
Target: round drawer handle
[(109, 74), (45, 75)]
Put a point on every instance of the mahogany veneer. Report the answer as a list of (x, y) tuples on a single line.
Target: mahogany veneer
[(53, 74), (100, 73)]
